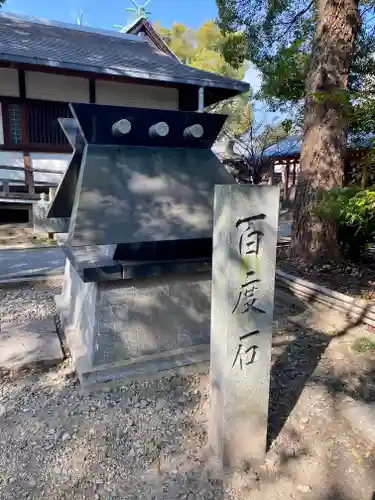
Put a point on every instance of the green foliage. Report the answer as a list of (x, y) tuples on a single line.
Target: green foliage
[(163, 31), (240, 115), (284, 76), (181, 40), (234, 49), (353, 210), (362, 68), (362, 119), (363, 344), (202, 48), (277, 38)]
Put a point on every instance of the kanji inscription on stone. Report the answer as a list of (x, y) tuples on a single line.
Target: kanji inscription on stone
[(243, 278)]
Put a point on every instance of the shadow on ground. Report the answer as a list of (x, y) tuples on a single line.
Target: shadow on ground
[(295, 366)]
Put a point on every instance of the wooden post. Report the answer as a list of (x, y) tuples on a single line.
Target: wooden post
[(242, 301), (92, 90), (294, 172), (286, 180), (272, 176), (29, 175)]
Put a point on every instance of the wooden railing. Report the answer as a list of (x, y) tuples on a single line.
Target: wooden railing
[(8, 191), (39, 170)]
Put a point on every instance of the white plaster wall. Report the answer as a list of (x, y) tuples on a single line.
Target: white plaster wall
[(49, 161), (9, 82), (141, 96), (52, 87), (13, 159)]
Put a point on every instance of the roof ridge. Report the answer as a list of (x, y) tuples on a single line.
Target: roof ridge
[(153, 34), (69, 26)]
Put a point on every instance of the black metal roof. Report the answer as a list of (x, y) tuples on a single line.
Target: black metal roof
[(59, 45)]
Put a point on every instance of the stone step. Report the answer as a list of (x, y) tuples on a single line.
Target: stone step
[(182, 361), (29, 344)]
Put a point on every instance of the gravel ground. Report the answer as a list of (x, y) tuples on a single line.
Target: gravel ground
[(147, 440), (21, 235), (27, 303)]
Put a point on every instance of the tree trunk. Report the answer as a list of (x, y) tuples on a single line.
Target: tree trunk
[(325, 130)]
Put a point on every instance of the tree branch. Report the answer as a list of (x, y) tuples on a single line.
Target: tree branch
[(294, 19)]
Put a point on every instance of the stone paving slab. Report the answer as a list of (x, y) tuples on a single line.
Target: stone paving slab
[(32, 343), (31, 262)]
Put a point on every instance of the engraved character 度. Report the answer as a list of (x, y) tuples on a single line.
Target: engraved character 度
[(246, 296)]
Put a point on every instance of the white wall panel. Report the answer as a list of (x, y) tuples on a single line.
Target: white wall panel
[(49, 161), (56, 87), (9, 82), (13, 159), (141, 96)]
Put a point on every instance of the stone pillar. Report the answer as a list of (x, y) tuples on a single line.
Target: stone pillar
[(243, 277), (51, 193)]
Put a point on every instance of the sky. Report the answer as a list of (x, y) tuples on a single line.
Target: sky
[(98, 14)]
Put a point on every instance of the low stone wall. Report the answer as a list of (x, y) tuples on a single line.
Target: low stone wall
[(357, 309)]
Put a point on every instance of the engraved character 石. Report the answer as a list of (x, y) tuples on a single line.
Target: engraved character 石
[(246, 355)]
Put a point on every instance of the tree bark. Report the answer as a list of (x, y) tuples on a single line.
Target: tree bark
[(325, 129)]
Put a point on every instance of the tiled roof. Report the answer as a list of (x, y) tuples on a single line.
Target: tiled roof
[(48, 43), (292, 146)]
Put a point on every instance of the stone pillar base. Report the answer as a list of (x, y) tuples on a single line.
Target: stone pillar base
[(135, 328)]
